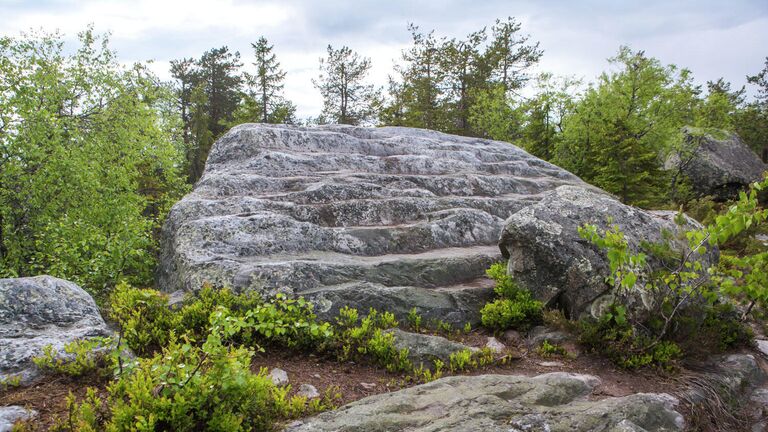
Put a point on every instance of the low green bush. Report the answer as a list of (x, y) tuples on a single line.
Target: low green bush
[(80, 357), (547, 349), (190, 387), (515, 308), (147, 322), (614, 337), (143, 316)]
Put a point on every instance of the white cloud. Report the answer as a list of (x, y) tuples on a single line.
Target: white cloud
[(711, 37), (134, 19)]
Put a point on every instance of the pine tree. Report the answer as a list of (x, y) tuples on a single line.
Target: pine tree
[(268, 80), (511, 54), (201, 136), (418, 95), (347, 98), (185, 73), (623, 125), (461, 61), (219, 72)]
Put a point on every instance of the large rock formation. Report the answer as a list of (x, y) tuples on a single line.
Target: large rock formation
[(548, 257), (392, 218), (39, 311), (717, 166), (556, 402)]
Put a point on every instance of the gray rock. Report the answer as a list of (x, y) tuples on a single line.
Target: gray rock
[(555, 402), (12, 414), (539, 334), (548, 257), (495, 345), (762, 346), (424, 349), (278, 376), (308, 391), (733, 377), (513, 337), (343, 215), (717, 166), (39, 311), (551, 364)]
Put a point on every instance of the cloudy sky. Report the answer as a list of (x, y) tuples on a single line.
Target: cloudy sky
[(727, 38)]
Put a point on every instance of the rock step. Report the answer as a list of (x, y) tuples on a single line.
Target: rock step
[(384, 211), (431, 269), (314, 186), (267, 233), (456, 304), (281, 164)]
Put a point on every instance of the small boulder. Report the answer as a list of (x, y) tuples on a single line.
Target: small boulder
[(424, 349), (368, 386), (539, 334), (762, 346), (308, 391), (39, 311), (12, 414), (719, 166), (495, 345), (513, 337), (279, 377)]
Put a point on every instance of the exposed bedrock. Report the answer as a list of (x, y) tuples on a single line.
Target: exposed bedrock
[(551, 402), (392, 218)]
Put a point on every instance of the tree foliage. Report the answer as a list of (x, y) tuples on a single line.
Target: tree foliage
[(89, 161), (347, 97), (451, 84)]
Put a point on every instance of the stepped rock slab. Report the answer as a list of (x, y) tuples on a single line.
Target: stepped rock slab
[(407, 217), (39, 311), (555, 402)]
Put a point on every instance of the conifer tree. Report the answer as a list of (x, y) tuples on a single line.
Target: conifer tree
[(347, 98), (268, 80)]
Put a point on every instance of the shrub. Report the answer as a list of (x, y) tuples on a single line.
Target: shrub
[(461, 360), (80, 357), (370, 339), (520, 313), (190, 387), (515, 308), (414, 319), (147, 322), (547, 349), (143, 316), (614, 337)]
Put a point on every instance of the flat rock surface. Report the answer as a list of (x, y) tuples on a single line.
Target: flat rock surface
[(555, 402), (39, 311), (408, 217)]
